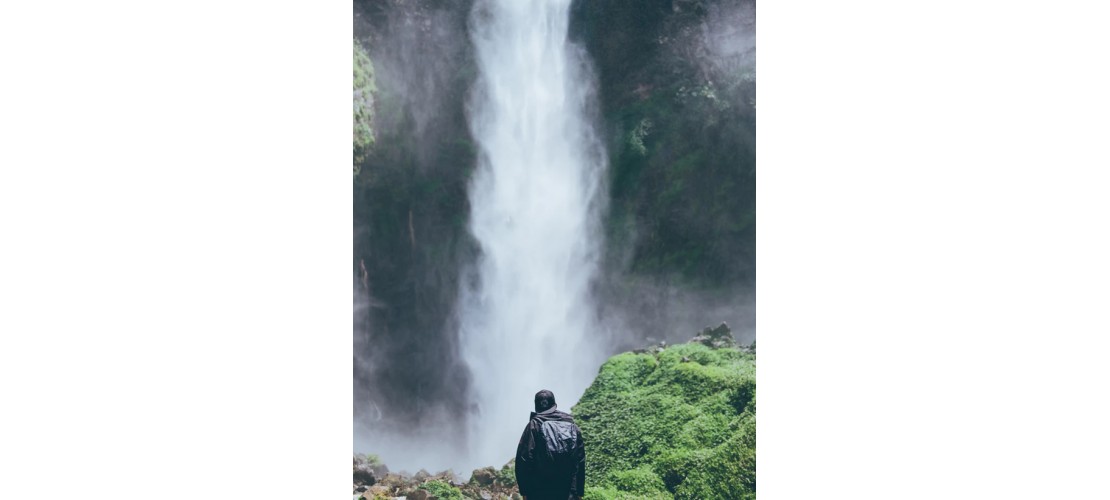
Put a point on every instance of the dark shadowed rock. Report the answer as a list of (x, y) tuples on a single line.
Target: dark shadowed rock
[(364, 474), (418, 495)]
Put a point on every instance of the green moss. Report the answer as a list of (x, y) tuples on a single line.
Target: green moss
[(679, 422), (442, 490), (364, 93), (371, 459), (593, 493), (641, 481), (507, 475)]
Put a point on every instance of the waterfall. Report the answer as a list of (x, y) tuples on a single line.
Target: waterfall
[(527, 321)]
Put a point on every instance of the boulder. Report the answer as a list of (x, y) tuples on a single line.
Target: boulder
[(393, 481), (364, 474), (715, 338), (484, 476), (378, 491)]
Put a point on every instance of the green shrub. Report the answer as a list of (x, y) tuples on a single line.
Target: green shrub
[(594, 493), (442, 490), (364, 92), (507, 475), (641, 481)]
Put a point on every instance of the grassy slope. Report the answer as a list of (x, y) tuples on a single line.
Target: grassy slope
[(676, 422)]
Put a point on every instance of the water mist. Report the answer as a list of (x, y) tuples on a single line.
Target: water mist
[(527, 321)]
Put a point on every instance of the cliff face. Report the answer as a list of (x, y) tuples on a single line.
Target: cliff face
[(677, 84)]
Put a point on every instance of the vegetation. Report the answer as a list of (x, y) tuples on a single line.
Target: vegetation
[(364, 90), (677, 422), (507, 475), (442, 490)]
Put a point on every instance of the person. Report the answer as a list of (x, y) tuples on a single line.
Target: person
[(551, 456)]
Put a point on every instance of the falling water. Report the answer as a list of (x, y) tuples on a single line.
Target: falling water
[(528, 322)]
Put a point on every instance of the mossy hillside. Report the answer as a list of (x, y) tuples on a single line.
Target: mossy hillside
[(677, 422)]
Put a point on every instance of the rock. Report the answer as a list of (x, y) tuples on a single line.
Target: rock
[(393, 481), (364, 474), (380, 470), (447, 476), (421, 475), (484, 476), (485, 495), (716, 338), (378, 491), (361, 488), (418, 495)]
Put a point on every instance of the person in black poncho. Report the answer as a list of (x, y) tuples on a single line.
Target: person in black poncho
[(551, 456)]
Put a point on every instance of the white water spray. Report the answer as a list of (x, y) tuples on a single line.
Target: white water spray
[(535, 199)]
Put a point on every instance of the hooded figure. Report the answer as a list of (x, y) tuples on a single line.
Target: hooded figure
[(551, 457)]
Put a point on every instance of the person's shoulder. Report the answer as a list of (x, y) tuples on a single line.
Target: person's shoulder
[(565, 417)]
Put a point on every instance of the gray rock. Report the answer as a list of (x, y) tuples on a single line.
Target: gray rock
[(484, 476), (716, 338), (364, 475)]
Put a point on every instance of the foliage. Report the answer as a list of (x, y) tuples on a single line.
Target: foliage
[(371, 459), (507, 475), (442, 490), (364, 91), (678, 422), (610, 493)]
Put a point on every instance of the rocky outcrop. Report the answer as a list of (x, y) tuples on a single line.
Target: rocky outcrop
[(715, 338)]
